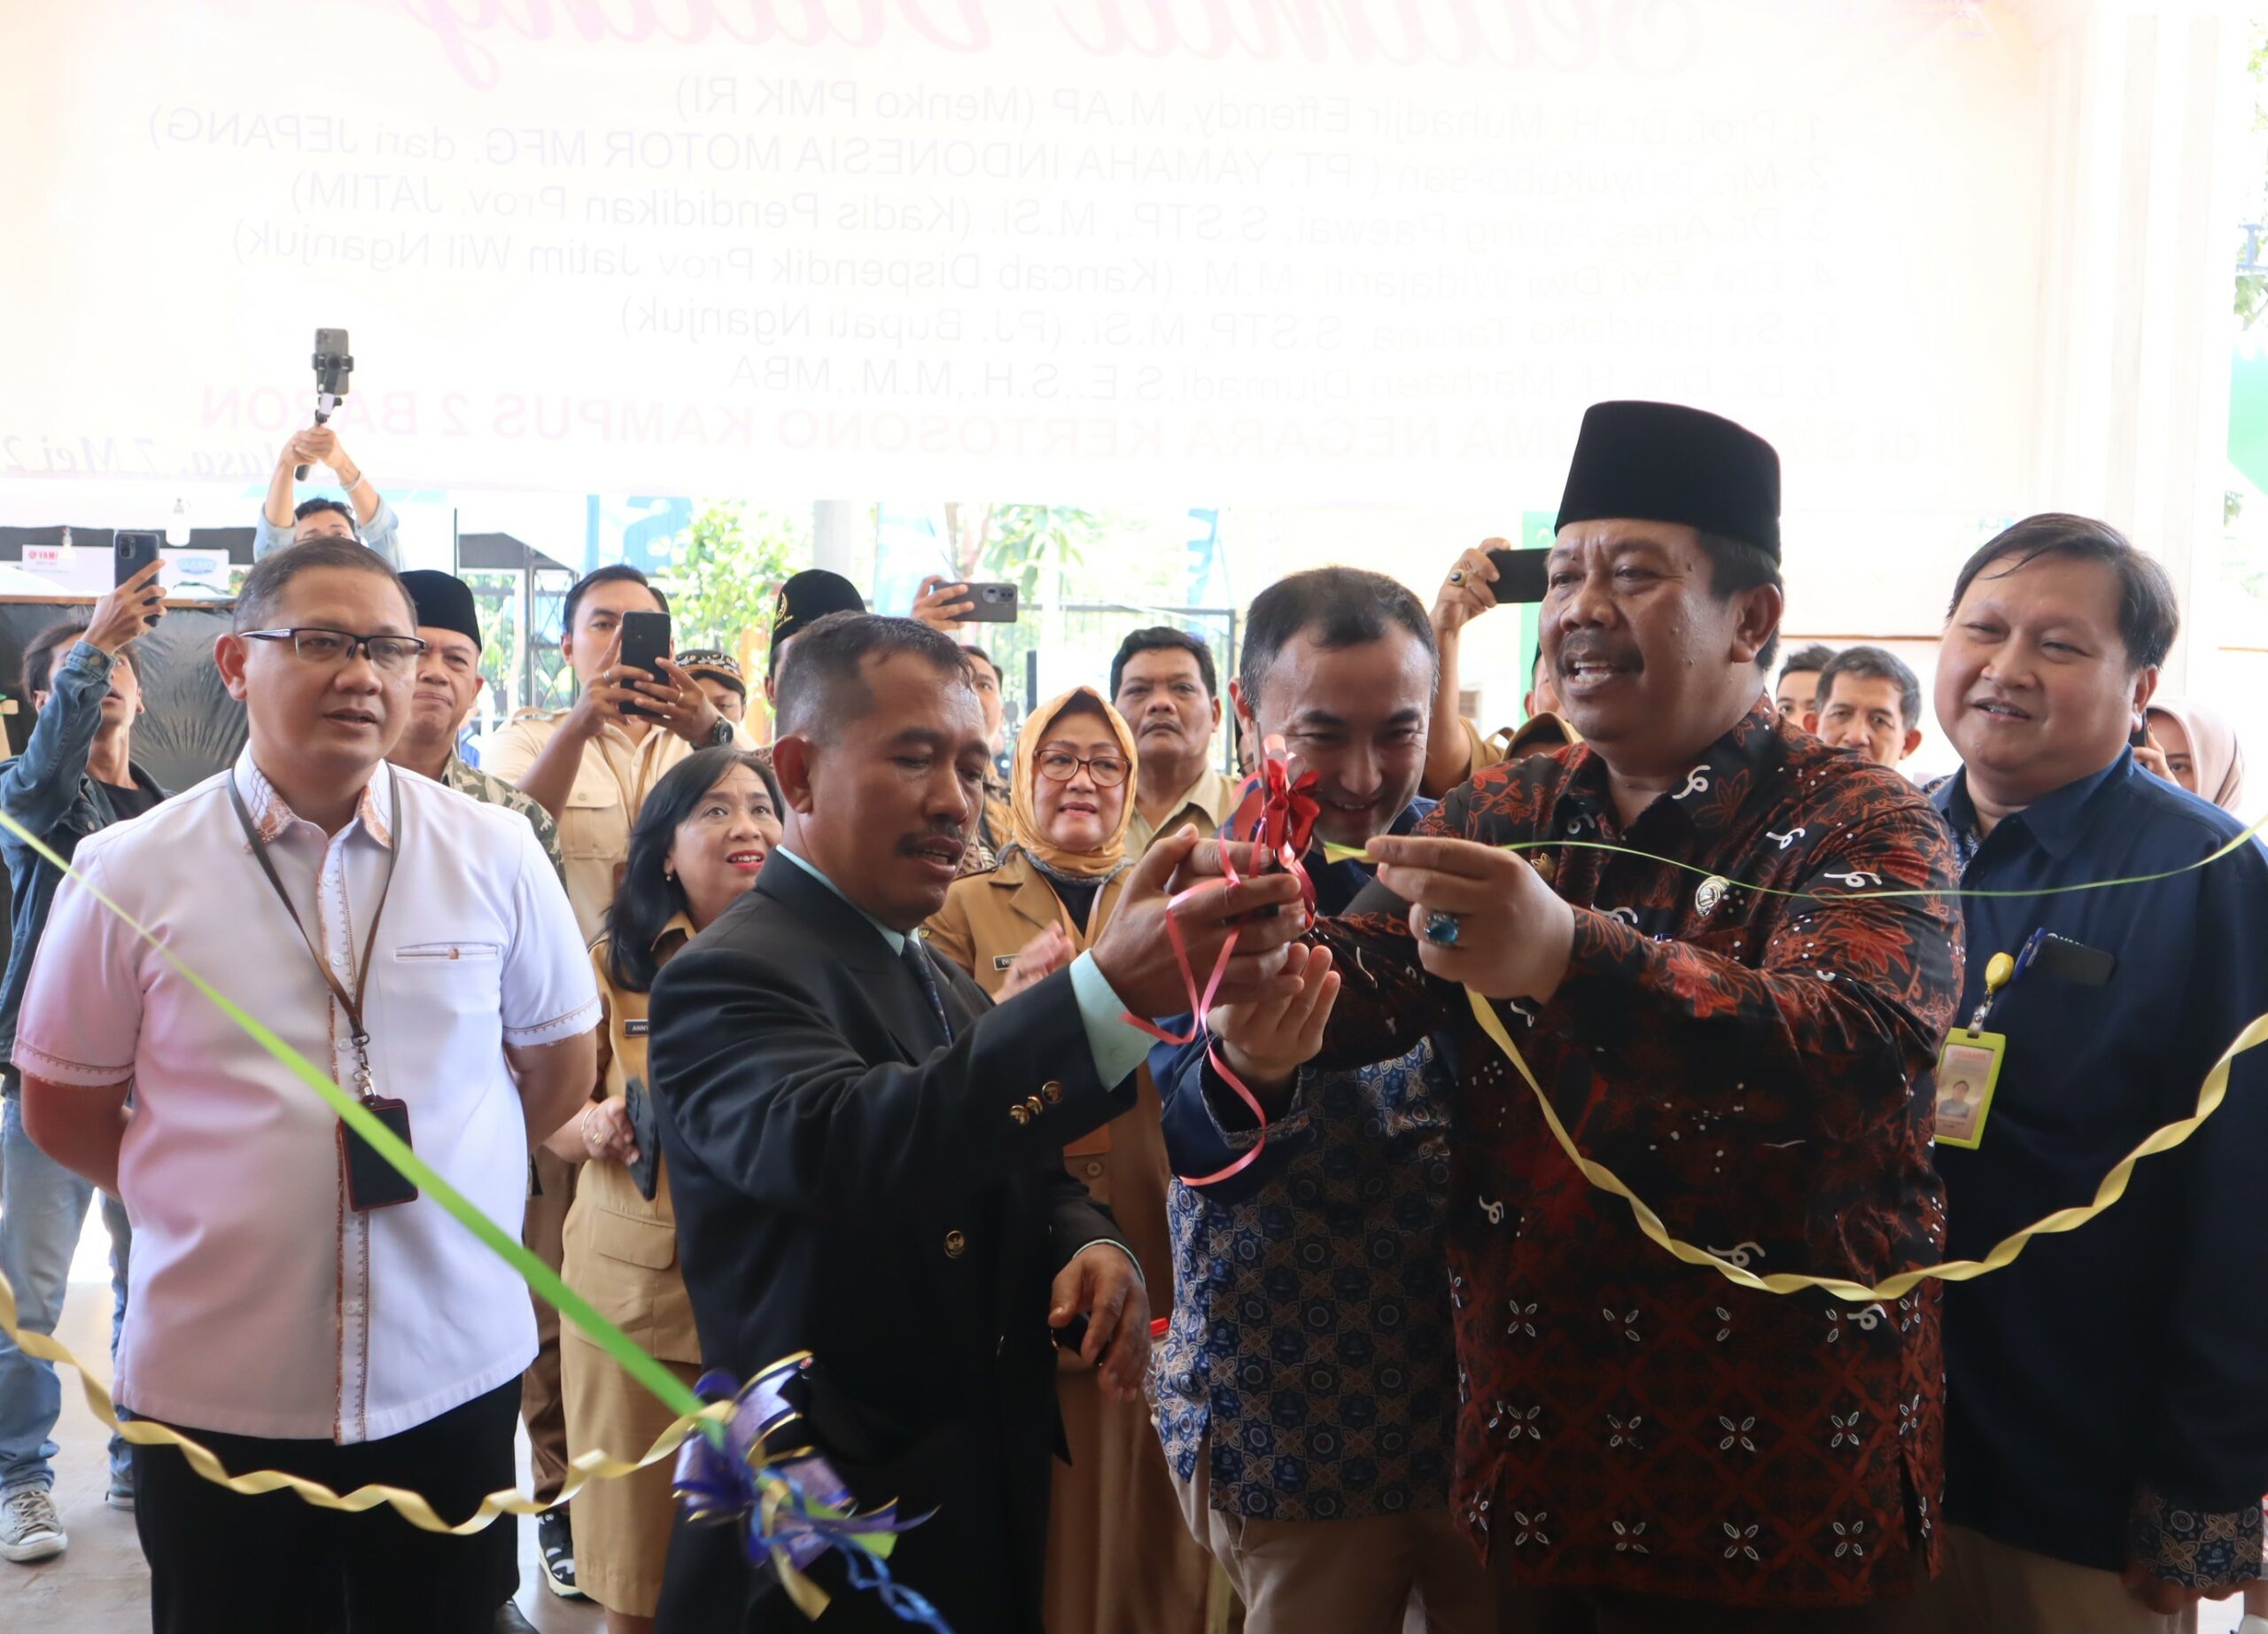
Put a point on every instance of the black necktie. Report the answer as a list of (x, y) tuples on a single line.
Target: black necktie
[(918, 957)]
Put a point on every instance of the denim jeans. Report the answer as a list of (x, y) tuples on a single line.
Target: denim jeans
[(43, 1205)]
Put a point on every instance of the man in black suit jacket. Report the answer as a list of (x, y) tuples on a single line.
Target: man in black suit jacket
[(865, 1158)]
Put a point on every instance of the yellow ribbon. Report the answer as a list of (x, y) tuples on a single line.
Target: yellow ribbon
[(2210, 1096), (412, 1506)]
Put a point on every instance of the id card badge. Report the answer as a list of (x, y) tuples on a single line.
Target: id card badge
[(371, 1181), (1967, 1069)]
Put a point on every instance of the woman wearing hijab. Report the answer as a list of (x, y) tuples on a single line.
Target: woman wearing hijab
[(1119, 1559), (2199, 750)]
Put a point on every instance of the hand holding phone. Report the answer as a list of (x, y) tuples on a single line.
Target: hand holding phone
[(136, 603), (645, 643), (990, 603), (1519, 574)]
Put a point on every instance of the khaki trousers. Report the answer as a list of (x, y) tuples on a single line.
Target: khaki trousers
[(1994, 1587), (541, 1403), (1408, 1573)]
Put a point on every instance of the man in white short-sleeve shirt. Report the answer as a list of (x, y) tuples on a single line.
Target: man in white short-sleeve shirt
[(280, 1310)]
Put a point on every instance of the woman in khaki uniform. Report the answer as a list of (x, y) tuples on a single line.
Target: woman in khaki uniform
[(700, 840), (1119, 1559)]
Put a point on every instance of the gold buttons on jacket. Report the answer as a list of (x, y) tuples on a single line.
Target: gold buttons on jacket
[(1019, 1117), (1050, 1092), (1035, 1106), (956, 1245)]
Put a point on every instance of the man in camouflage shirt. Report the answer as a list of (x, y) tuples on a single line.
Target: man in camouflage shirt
[(448, 683)]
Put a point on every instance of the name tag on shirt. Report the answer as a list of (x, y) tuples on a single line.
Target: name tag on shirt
[(637, 1029), (1968, 1067)]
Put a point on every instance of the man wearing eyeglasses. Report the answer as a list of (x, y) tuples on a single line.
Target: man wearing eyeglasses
[(294, 1303)]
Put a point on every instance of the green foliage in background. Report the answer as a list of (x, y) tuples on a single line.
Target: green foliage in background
[(1038, 547), (726, 571)]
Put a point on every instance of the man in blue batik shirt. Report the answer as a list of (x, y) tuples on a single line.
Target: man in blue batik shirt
[(2107, 1393), (1307, 1392)]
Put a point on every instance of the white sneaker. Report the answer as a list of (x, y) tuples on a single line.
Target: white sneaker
[(29, 1528)]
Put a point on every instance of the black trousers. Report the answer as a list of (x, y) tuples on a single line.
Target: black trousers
[(224, 1564)]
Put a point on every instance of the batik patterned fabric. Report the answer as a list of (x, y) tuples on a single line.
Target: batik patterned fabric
[(1756, 1067), (1311, 1318)]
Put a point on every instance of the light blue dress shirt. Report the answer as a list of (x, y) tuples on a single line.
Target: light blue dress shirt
[(377, 534)]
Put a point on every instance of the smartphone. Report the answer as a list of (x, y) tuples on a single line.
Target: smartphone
[(334, 363), (2139, 737), (1519, 574), (645, 643), (996, 603), (132, 550)]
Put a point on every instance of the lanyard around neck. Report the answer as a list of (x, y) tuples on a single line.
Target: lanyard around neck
[(352, 1003)]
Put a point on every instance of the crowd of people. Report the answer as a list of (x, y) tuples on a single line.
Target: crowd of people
[(855, 1043)]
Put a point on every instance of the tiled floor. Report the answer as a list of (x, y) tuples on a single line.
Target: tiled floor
[(98, 1586)]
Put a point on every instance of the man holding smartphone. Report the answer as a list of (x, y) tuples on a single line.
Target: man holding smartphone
[(75, 777), (590, 764), (294, 1304)]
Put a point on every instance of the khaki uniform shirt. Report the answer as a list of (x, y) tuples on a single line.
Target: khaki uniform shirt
[(1540, 736), (1206, 803), (620, 1249), (609, 788)]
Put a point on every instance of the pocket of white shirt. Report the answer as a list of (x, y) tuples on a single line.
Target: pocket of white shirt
[(445, 952)]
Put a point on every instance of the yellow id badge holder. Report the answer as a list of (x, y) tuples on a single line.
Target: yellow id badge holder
[(1968, 1068)]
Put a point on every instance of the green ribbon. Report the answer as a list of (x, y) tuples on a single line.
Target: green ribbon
[(1335, 852), (633, 1360)]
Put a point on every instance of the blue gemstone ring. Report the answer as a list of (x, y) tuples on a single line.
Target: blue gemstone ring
[(1442, 929)]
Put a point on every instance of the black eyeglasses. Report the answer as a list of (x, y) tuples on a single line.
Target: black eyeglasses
[(1060, 766), (391, 654)]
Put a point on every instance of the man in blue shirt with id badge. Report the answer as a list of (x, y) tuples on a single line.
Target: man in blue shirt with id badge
[(2107, 1391)]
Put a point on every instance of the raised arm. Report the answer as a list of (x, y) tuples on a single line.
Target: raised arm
[(37, 787)]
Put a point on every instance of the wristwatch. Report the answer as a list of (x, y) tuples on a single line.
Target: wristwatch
[(719, 734)]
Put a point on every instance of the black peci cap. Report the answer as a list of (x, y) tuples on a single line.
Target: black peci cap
[(443, 601), (808, 597), (1666, 463)]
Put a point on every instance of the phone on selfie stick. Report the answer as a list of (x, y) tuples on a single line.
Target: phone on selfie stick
[(132, 550), (645, 643), (333, 367)]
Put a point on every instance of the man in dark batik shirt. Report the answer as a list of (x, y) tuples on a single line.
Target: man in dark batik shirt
[(1642, 1443)]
